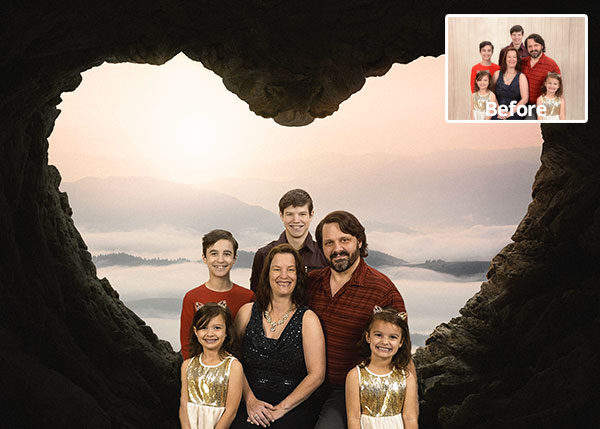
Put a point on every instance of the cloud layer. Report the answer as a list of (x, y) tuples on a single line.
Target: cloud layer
[(477, 243)]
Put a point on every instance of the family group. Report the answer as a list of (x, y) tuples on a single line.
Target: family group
[(525, 84), (320, 340)]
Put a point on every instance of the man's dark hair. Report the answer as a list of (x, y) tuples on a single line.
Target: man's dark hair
[(215, 235), (538, 39), (516, 28), (349, 224), (295, 198), (484, 44)]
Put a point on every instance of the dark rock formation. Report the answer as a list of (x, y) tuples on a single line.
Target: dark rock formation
[(524, 353), (70, 346), (72, 354)]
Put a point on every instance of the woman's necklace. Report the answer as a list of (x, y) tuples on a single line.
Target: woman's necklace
[(279, 322), (510, 75)]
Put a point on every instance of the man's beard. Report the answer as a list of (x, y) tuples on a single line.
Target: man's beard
[(537, 54), (343, 265)]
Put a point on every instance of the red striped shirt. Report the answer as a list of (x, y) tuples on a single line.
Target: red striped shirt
[(537, 75), (345, 315)]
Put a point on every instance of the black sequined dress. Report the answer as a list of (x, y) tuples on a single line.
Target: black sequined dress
[(274, 367)]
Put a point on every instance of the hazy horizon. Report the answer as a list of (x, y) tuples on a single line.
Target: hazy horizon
[(425, 189), (156, 218)]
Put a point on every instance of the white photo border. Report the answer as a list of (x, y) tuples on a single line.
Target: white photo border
[(522, 15)]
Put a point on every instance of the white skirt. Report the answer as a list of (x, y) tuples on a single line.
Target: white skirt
[(204, 416), (552, 118), (389, 422), (478, 115)]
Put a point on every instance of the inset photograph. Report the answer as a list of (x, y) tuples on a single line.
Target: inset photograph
[(516, 68)]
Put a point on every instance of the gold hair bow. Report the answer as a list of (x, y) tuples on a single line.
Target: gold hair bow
[(221, 303), (377, 309)]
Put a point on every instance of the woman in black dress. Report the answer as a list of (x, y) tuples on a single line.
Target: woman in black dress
[(283, 349), (510, 85)]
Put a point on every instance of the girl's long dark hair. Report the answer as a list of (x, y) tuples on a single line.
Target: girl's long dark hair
[(391, 315), (202, 317), (480, 74), (556, 76)]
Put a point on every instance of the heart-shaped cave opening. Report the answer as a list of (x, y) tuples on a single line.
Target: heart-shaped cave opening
[(153, 157), (71, 346)]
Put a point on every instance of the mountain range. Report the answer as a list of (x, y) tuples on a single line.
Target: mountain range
[(389, 192), (472, 269), (244, 260), (135, 203)]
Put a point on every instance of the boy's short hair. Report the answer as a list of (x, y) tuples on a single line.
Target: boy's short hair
[(215, 235), (484, 44), (295, 198), (516, 28)]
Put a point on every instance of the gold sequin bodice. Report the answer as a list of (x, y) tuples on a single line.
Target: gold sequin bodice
[(207, 385), (552, 106), (381, 395), (479, 101)]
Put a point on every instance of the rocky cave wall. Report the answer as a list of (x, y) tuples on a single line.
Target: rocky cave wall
[(524, 352), (524, 348)]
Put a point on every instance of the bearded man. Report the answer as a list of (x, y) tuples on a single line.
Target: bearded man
[(343, 296), (536, 67)]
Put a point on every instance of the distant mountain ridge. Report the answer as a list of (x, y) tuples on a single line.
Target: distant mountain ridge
[(375, 259), (456, 268), (380, 259), (395, 193), (244, 260), (392, 194), (127, 260), (135, 203)]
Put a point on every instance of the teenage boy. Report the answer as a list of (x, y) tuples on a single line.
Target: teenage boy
[(219, 253), (516, 34), (296, 213), (486, 49)]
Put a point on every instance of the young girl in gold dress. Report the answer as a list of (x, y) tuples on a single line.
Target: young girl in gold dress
[(212, 379), (381, 392), (482, 96), (552, 98)]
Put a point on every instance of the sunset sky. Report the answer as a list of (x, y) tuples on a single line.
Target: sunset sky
[(178, 122)]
